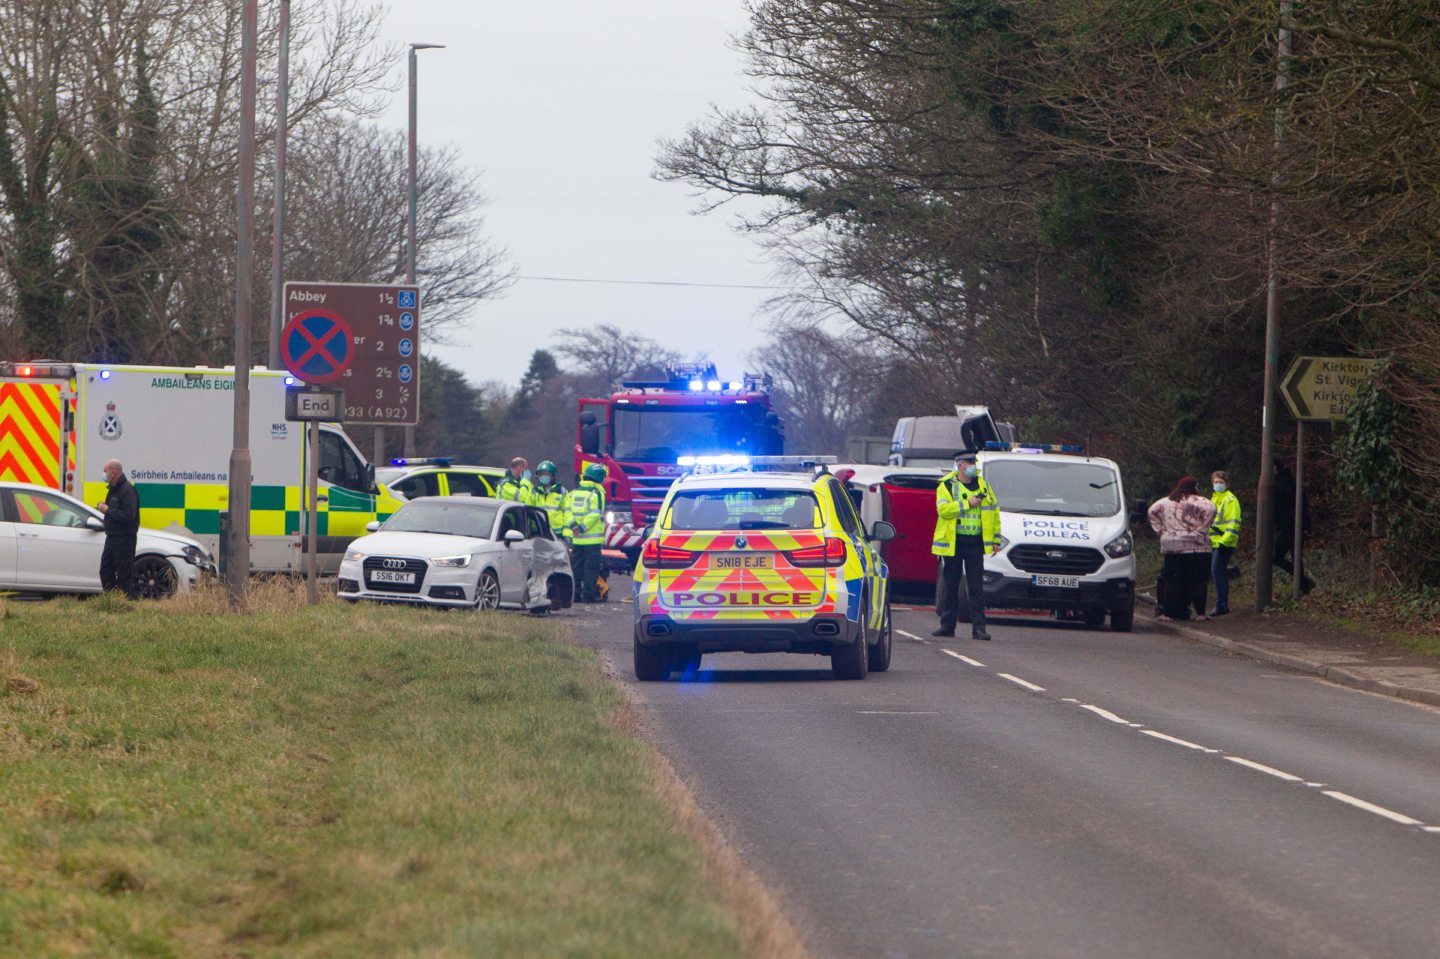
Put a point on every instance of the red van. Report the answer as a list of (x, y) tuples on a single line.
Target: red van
[(904, 497)]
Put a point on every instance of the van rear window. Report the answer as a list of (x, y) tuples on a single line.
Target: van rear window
[(737, 509)]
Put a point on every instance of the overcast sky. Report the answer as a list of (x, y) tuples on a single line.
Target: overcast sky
[(559, 106)]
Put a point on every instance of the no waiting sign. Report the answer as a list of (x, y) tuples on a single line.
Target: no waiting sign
[(382, 378)]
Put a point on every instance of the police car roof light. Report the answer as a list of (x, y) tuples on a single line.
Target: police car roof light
[(422, 461), (1035, 448)]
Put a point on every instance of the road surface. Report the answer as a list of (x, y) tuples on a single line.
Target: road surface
[(1061, 792)]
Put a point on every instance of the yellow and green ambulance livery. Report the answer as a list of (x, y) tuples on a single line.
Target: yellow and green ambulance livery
[(173, 430), (756, 555)]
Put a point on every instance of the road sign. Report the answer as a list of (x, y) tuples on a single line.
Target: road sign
[(1322, 387), (382, 383), (316, 346), (310, 403)]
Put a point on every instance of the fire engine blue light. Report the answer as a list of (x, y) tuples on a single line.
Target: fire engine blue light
[(104, 374), (289, 381), (697, 385), (736, 385), (713, 386)]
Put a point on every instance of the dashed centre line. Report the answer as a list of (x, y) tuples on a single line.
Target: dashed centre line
[(1389, 814), (1022, 682), (1267, 770), (910, 636), (1178, 741), (1107, 715), (963, 658)]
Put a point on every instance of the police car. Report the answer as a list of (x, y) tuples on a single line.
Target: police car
[(413, 477), (757, 555)]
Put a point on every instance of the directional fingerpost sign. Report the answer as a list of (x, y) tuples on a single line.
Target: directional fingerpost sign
[(316, 346), (1323, 387), (382, 380)]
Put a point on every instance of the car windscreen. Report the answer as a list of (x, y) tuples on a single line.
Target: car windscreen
[(664, 434), (745, 508), (1054, 488), (454, 518)]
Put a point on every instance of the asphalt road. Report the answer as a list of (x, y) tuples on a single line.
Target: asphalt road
[(1061, 792)]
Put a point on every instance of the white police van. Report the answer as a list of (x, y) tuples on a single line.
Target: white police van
[(1065, 541)]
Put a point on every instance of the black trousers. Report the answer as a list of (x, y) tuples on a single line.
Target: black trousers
[(1284, 548), (1186, 581), (585, 564), (117, 563), (967, 563)]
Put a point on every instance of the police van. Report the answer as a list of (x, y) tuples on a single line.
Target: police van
[(1065, 540), (172, 428)]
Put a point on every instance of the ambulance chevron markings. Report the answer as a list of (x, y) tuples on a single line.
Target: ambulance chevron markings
[(30, 433)]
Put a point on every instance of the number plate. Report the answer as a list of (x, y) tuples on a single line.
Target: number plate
[(1063, 582), (742, 561), (390, 576)]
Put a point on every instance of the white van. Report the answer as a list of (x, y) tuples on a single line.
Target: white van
[(1065, 535)]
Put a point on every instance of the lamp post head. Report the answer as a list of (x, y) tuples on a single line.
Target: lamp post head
[(426, 46)]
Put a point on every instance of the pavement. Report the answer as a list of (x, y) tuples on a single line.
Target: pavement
[(1371, 662)]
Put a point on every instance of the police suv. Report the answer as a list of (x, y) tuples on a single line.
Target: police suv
[(761, 554), (1065, 541)]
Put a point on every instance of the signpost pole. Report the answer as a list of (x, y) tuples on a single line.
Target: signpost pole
[(1299, 506), (312, 481)]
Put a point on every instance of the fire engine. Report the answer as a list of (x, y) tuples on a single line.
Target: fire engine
[(640, 432)]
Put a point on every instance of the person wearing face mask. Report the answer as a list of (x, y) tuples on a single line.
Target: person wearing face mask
[(515, 485), (549, 496), (967, 528), (1224, 538)]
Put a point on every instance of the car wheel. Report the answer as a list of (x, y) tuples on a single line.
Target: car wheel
[(1122, 618), (879, 654), (154, 577), (652, 663), (487, 591), (852, 660)]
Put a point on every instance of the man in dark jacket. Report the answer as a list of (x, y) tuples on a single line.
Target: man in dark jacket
[(122, 526), (1285, 493)]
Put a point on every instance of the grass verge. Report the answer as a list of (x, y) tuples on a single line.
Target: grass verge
[(339, 781)]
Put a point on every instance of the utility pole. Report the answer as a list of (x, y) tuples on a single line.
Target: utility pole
[(277, 243), (410, 225), (237, 553), (1265, 512)]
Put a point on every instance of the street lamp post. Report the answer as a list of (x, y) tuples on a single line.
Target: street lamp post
[(277, 242), (410, 218)]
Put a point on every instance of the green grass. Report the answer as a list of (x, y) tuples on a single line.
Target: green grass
[(330, 781)]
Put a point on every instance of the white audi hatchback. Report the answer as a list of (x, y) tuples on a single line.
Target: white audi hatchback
[(451, 551)]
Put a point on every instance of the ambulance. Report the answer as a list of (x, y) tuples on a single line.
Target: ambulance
[(1065, 540), (761, 554), (173, 429)]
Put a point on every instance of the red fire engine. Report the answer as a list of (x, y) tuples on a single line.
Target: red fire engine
[(642, 429)]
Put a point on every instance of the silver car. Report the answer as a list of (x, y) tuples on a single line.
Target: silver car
[(473, 552)]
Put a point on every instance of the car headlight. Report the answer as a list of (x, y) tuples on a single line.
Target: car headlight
[(195, 556), (1122, 545), (618, 516), (354, 555), (454, 562), (1000, 545)]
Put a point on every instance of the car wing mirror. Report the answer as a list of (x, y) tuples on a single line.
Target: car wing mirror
[(882, 532), (97, 525), (514, 536), (372, 526)]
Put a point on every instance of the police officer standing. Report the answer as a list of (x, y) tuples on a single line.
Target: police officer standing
[(122, 527), (1224, 537), (515, 486), (549, 496), (967, 528), (585, 522)]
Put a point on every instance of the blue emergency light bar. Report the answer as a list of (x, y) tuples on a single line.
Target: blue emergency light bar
[(422, 461), (735, 462)]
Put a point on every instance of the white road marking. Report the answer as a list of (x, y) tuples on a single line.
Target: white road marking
[(1316, 785), (1389, 814), (1107, 714), (963, 659), (1432, 828), (1267, 770), (1020, 682), (897, 712), (1178, 741), (1069, 699), (909, 635)]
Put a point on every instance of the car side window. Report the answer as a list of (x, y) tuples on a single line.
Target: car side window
[(512, 519), (338, 464), (38, 508), (467, 484), (845, 510), (539, 528), (423, 484)]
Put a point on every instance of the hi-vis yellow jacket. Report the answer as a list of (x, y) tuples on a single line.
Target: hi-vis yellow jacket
[(955, 516)]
